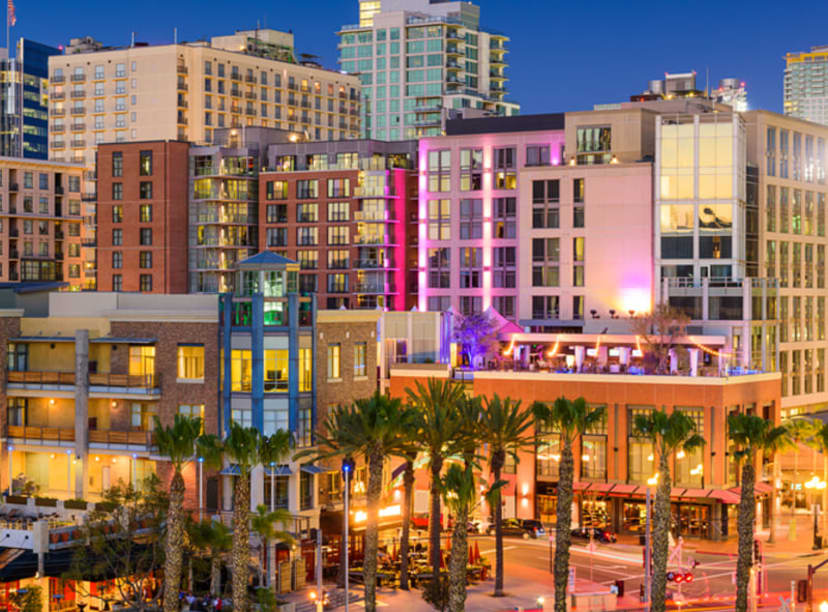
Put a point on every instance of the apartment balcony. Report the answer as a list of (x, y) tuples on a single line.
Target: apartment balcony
[(81, 93), (79, 127), (182, 104), (452, 65), (78, 110), (181, 69), (78, 143), (375, 288), (14, 232), (250, 95), (41, 380), (57, 127), (372, 264), (14, 254), (496, 76), (250, 79), (58, 112), (236, 93), (235, 76), (182, 121), (124, 384), (57, 144), (57, 79), (58, 95), (374, 240), (41, 436), (496, 61), (78, 78), (250, 111), (123, 440), (182, 87), (426, 122), (454, 51), (58, 234), (454, 35)]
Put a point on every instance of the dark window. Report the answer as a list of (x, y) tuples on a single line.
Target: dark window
[(117, 164), (677, 247), (146, 236), (277, 213), (146, 190), (117, 260), (117, 237), (117, 191), (145, 282), (117, 282), (578, 190)]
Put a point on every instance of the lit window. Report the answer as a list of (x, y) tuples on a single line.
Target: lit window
[(190, 362), (334, 361)]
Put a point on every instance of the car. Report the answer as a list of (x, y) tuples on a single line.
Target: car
[(598, 534), (524, 528)]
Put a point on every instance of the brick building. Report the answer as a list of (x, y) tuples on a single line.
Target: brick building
[(143, 216), (42, 228), (342, 209)]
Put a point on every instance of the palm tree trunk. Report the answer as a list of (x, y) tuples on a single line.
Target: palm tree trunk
[(241, 542), (457, 564), (661, 534), (340, 575), (215, 575), (174, 544), (271, 565), (564, 525), (408, 488), (434, 519), (371, 529), (747, 512), (497, 465)]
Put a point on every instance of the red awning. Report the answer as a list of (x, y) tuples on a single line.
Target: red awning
[(726, 497), (599, 487), (693, 493), (677, 492), (759, 488), (579, 486), (622, 489)]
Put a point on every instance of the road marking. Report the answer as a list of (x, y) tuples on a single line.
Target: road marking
[(486, 552)]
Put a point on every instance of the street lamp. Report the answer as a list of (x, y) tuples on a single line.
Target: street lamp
[(347, 469), (816, 484), (200, 489)]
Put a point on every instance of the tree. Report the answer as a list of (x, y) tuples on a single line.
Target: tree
[(178, 444), (503, 427), (245, 448), (123, 537), (660, 330), (274, 450), (374, 428), (264, 523), (405, 537), (668, 434), (28, 599), (477, 335), (214, 538), (438, 428), (572, 418), (752, 436)]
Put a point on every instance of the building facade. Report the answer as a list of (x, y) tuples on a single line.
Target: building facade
[(185, 91), (420, 62), (43, 229), (806, 85), (342, 210), (143, 217), (24, 117), (470, 210), (613, 467)]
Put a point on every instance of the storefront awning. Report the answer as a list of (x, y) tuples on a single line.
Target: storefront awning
[(579, 486), (759, 488), (599, 487), (694, 493), (278, 470), (622, 489), (726, 497), (309, 468), (231, 470)]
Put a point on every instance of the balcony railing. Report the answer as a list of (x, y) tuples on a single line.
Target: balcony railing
[(80, 93), (181, 69), (147, 381), (77, 78), (41, 434), (108, 438), (57, 95), (58, 79), (42, 378)]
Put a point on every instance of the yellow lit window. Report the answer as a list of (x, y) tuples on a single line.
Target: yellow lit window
[(360, 357), (191, 362), (141, 360), (276, 370), (193, 411), (305, 365), (240, 370), (334, 361)]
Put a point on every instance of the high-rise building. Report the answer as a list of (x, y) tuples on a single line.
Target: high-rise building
[(24, 111), (806, 85), (185, 91), (422, 61)]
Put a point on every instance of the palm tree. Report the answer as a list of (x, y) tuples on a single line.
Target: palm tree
[(503, 427), (668, 434), (408, 490), (572, 418), (438, 428), (178, 443), (263, 522), (374, 428), (752, 436), (459, 495), (216, 539), (245, 448)]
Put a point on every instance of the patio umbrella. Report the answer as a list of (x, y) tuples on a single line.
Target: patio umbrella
[(476, 553), (442, 561), (471, 555), (394, 552)]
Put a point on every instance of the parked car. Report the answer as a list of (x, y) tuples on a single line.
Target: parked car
[(524, 528), (598, 534)]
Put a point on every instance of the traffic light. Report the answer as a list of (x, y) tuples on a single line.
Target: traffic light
[(679, 577), (688, 577)]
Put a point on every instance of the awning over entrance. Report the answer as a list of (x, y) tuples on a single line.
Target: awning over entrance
[(677, 493), (309, 468), (726, 497)]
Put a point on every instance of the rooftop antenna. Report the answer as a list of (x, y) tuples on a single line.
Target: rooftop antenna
[(175, 36), (132, 41), (707, 82)]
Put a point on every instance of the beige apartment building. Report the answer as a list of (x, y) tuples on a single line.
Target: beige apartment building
[(183, 91), (43, 228), (789, 158)]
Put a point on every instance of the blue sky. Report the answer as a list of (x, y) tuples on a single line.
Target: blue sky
[(564, 55)]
